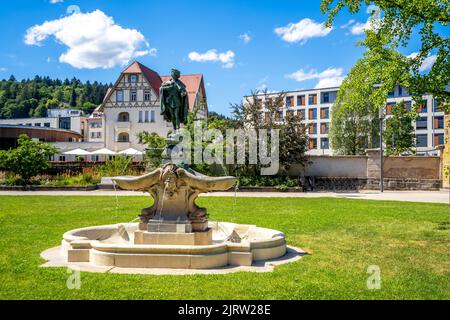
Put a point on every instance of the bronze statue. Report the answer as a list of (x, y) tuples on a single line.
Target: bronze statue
[(174, 100)]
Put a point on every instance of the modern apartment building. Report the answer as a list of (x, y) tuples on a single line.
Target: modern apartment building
[(315, 106), (66, 119)]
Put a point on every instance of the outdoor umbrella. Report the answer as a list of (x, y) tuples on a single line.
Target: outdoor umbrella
[(104, 151), (131, 152), (78, 152)]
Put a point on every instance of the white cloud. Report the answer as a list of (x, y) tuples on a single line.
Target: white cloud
[(359, 27), (245, 37), (93, 40), (262, 84), (226, 58), (302, 31), (348, 24), (3, 69), (331, 77), (56, 1), (427, 63)]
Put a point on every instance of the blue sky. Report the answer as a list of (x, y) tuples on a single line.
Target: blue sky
[(237, 45)]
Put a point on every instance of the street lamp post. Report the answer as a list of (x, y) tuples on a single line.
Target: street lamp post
[(381, 114)]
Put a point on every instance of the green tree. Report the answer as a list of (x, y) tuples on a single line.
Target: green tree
[(73, 98), (52, 104), (399, 133), (41, 110), (152, 140), (292, 132), (354, 122), (394, 24), (29, 159)]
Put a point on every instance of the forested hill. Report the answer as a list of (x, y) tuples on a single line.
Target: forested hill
[(32, 98)]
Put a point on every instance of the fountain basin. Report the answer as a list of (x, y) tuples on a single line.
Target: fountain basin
[(114, 246)]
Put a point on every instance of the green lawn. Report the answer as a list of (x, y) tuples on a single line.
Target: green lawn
[(410, 242)]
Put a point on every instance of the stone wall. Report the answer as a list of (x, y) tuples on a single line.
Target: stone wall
[(333, 166), (335, 173), (445, 168), (415, 167)]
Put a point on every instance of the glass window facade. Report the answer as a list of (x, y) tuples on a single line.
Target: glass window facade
[(421, 140)]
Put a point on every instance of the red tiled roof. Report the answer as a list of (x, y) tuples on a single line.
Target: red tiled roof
[(152, 77), (192, 82)]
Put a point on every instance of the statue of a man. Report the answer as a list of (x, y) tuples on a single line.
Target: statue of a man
[(174, 100)]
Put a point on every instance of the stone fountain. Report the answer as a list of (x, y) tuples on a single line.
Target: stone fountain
[(174, 232)]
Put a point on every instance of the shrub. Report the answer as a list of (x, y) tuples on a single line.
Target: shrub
[(29, 159)]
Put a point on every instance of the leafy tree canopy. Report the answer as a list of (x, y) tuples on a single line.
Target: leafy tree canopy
[(32, 98), (394, 23), (29, 159)]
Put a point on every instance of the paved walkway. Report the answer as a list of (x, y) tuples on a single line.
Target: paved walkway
[(415, 196)]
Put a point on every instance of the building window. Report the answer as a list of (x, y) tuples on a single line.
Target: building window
[(47, 124), (64, 123), (421, 140), (301, 100), (400, 91), (124, 117), (421, 123), (436, 106), (123, 137), (62, 158), (324, 113), (301, 114), (324, 143), (325, 97), (99, 135), (133, 78), (408, 106), (268, 102), (140, 116), (324, 128), (92, 135), (289, 114), (279, 116), (312, 128), (389, 106), (391, 94), (289, 101), (312, 143), (312, 99), (147, 95), (37, 124), (152, 116), (438, 139), (119, 95), (422, 107), (133, 95), (146, 116), (439, 122), (312, 114)]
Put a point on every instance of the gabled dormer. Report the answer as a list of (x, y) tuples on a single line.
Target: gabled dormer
[(137, 86)]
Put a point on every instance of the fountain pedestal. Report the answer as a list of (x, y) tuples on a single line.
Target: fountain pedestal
[(200, 238)]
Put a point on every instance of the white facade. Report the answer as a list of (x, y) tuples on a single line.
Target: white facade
[(315, 107), (126, 116), (132, 106)]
